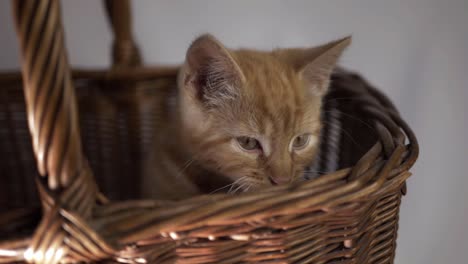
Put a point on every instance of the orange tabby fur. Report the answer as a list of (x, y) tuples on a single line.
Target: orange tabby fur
[(225, 94)]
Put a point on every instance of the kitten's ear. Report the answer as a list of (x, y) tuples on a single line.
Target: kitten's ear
[(316, 64), (210, 69)]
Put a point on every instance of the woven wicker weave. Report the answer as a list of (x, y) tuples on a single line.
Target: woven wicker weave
[(88, 129)]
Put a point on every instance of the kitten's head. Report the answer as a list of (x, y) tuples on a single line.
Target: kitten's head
[(254, 116)]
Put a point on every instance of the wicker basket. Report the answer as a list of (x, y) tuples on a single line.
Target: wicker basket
[(349, 215)]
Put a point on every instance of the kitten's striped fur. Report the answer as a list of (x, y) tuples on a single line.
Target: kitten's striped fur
[(223, 94)]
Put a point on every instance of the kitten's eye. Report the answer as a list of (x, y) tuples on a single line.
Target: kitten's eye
[(301, 141), (248, 143)]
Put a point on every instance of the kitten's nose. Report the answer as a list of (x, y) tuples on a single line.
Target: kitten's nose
[(280, 168), (279, 180)]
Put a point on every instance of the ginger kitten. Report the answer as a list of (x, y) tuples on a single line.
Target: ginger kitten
[(242, 119)]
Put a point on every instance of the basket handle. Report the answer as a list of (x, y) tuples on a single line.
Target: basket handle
[(67, 188), (66, 178), (125, 52), (66, 183)]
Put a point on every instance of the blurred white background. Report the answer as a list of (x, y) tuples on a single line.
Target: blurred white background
[(416, 51)]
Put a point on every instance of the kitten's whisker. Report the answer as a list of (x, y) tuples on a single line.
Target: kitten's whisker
[(230, 189), (352, 117), (240, 187), (245, 183), (348, 135), (235, 190), (219, 189), (236, 182), (186, 165)]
